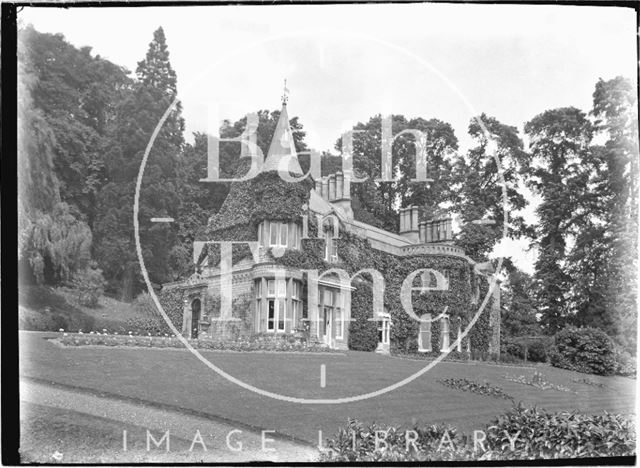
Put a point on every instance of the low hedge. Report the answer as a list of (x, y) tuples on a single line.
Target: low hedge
[(520, 434)]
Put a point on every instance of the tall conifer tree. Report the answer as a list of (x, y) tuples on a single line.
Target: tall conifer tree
[(138, 115)]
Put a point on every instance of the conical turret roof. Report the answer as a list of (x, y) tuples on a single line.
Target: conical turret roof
[(282, 152), (243, 200)]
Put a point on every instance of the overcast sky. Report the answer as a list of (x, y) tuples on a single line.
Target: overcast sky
[(345, 63)]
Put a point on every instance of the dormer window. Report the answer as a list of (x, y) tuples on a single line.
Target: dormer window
[(279, 234)]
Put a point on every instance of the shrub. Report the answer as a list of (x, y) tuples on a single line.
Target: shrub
[(587, 350), (144, 306), (89, 283), (146, 325), (625, 363), (521, 433)]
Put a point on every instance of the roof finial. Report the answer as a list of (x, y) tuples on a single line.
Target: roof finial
[(285, 93)]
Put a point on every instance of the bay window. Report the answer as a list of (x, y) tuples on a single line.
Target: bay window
[(276, 305), (283, 303)]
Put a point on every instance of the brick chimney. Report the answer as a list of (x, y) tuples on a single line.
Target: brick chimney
[(336, 189), (409, 227), (438, 230)]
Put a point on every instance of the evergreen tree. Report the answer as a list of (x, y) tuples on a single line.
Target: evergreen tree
[(559, 167), (614, 261), (137, 115)]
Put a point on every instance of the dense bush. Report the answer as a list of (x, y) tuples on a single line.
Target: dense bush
[(625, 363), (89, 284), (587, 350), (521, 433), (145, 325)]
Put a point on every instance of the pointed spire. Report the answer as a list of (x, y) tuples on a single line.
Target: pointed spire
[(282, 152), (285, 93)]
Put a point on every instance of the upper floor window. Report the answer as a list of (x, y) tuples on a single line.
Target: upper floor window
[(279, 234), (330, 248)]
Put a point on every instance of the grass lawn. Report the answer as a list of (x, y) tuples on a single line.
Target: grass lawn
[(175, 378)]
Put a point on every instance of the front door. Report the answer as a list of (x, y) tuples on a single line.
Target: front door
[(328, 325), (195, 318)]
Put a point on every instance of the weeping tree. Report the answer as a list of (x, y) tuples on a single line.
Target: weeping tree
[(59, 244)]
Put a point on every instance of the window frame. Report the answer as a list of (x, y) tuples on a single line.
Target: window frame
[(339, 320), (425, 328), (443, 320)]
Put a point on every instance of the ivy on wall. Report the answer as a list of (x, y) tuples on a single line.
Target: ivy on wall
[(363, 333), (356, 253), (268, 197)]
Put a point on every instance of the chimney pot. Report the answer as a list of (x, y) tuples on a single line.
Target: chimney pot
[(414, 218), (332, 187), (325, 188), (339, 185)]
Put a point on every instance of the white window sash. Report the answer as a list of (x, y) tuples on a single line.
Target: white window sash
[(340, 328), (282, 305), (424, 334)]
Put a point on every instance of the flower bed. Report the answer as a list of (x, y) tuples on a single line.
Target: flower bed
[(467, 385), (254, 343), (588, 381), (538, 380)]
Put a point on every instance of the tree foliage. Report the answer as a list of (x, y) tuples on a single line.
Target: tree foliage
[(137, 115), (479, 193)]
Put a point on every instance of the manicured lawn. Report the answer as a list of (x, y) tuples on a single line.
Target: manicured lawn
[(176, 378)]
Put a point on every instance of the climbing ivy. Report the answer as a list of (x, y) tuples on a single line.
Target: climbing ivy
[(268, 197)]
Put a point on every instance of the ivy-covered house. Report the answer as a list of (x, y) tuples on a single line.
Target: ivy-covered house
[(309, 225)]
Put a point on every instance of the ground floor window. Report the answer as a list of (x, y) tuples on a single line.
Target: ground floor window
[(339, 323), (424, 336), (331, 314), (444, 333), (276, 314), (384, 326), (280, 301)]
